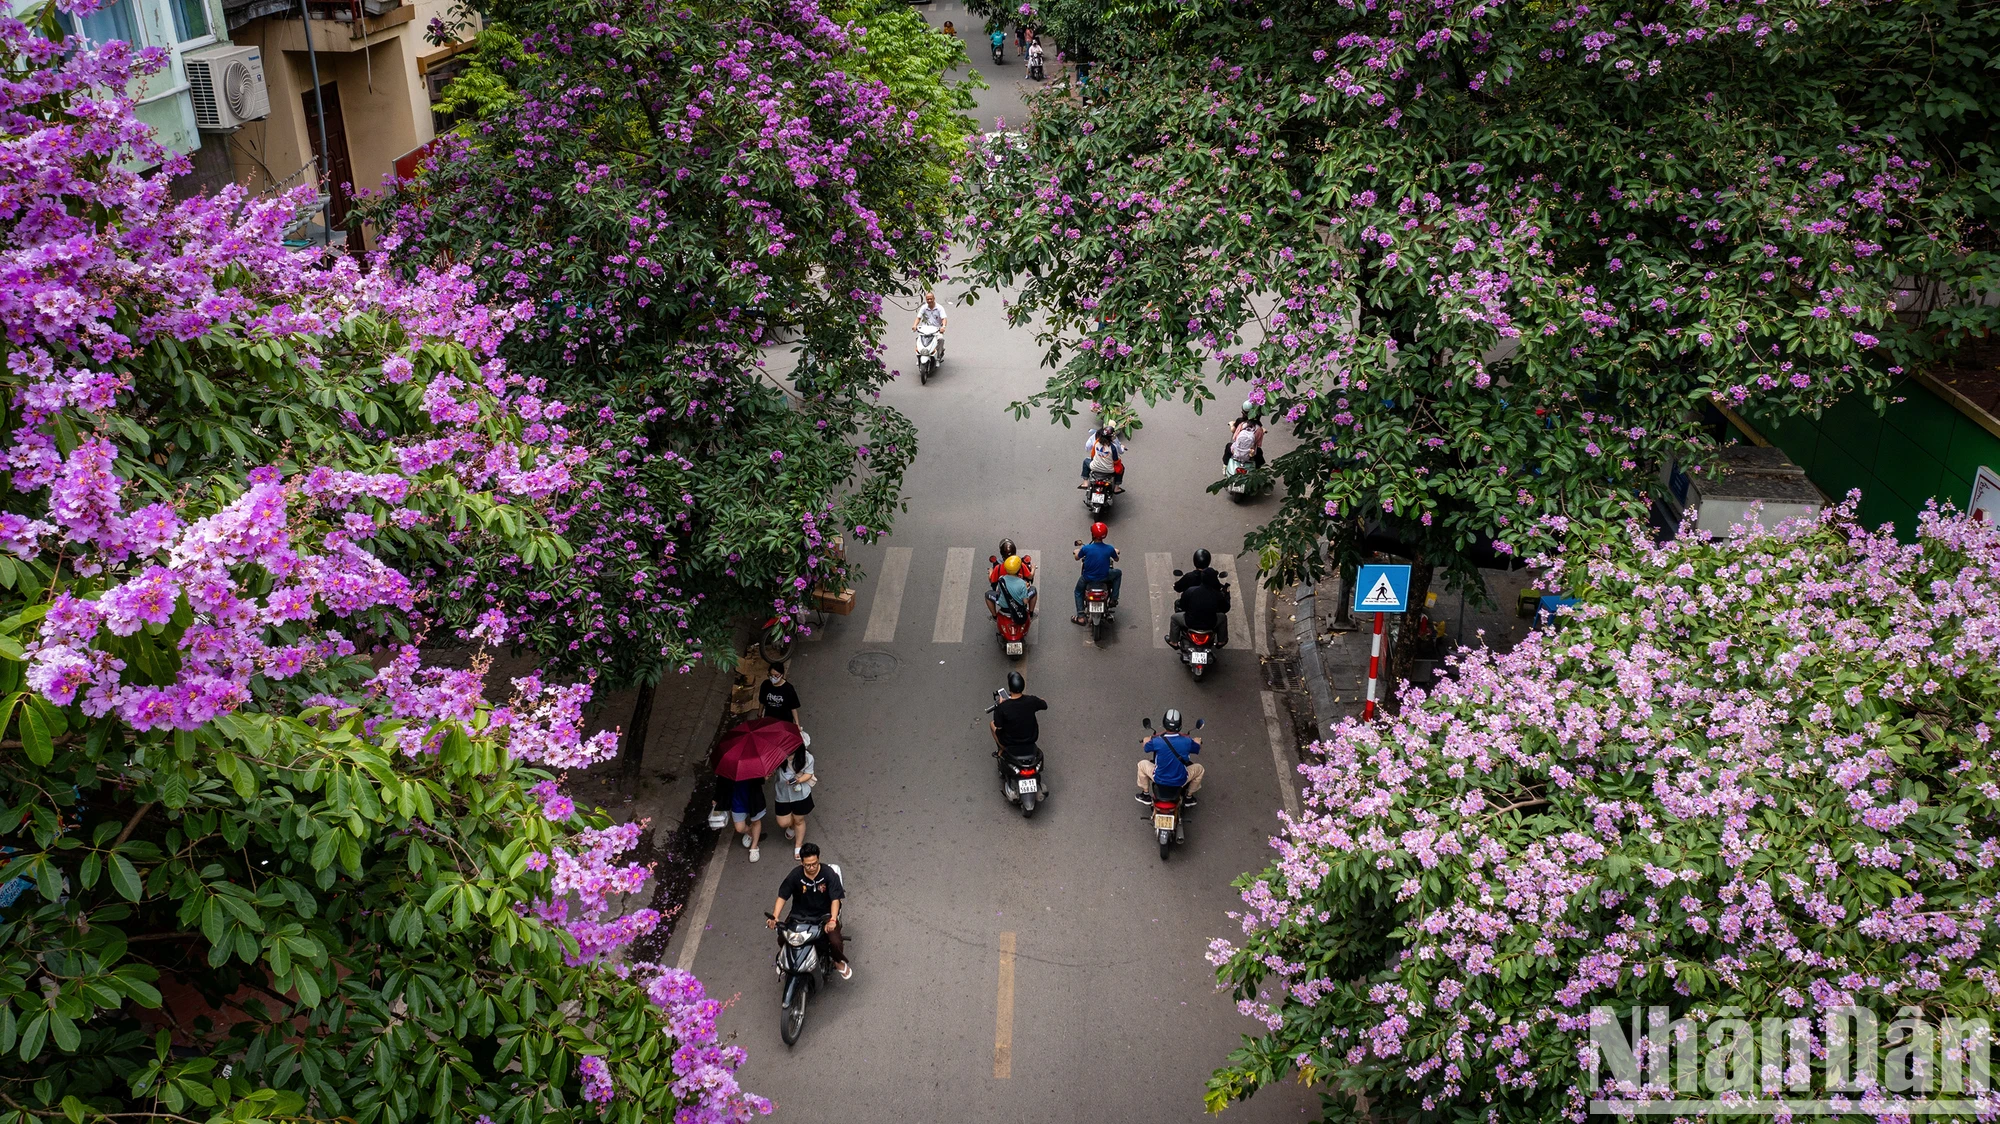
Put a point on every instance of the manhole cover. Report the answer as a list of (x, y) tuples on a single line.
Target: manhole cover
[(871, 666)]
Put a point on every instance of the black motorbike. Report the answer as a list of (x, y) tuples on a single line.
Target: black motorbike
[(1097, 608), (1035, 71), (999, 52), (1101, 494), (1023, 772), (1199, 646), (804, 967), (1169, 807)]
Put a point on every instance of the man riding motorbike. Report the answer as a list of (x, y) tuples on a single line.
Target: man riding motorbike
[(1097, 557), (1103, 452), (1203, 604), (815, 892), (1169, 761), (929, 313), (1011, 590)]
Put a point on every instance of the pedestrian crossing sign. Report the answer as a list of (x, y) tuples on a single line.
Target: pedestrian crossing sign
[(1382, 589)]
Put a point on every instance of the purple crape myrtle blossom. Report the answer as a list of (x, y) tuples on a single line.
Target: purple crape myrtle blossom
[(675, 194), (1480, 256), (235, 791), (1750, 777)]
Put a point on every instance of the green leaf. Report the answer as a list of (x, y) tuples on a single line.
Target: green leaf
[(125, 878), (63, 1030), (35, 741)]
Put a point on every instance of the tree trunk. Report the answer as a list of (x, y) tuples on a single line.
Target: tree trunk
[(1403, 659), (632, 751)]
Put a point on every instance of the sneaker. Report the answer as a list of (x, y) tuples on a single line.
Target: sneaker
[(1142, 798), (788, 833), (846, 971), (743, 839), (755, 854), (1189, 802)]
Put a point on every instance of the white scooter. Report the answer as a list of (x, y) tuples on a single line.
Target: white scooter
[(1240, 488), (930, 351)]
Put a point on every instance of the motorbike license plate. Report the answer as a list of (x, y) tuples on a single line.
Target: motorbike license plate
[(1197, 658), (1097, 606), (1162, 822), (1100, 497), (1016, 647), (1030, 784)]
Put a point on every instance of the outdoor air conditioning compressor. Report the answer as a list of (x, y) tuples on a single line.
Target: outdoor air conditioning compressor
[(226, 84)]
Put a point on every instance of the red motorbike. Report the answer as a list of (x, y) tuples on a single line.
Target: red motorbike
[(1011, 624)]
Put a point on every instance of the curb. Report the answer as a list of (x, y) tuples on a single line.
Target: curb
[(1325, 710)]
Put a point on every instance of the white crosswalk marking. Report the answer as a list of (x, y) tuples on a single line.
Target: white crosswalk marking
[(888, 607), (1160, 589), (950, 627)]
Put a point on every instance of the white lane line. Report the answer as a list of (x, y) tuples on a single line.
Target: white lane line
[(694, 921), (1257, 622), (950, 627), (1159, 585), (888, 607), (1003, 1017), (1282, 755)]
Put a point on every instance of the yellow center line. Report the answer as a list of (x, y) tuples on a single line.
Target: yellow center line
[(1003, 1027)]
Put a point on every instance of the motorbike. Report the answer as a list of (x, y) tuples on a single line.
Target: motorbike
[(999, 51), (1097, 608), (1169, 811), (802, 966), (1099, 497), (1241, 489), (930, 351), (1023, 770), (1035, 70), (1011, 625), (1199, 647)]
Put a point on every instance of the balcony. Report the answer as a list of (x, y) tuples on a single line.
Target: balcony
[(336, 25)]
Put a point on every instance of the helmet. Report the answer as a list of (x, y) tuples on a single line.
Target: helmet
[(1171, 721), (1249, 408), (1098, 531), (1016, 684), (1006, 547), (1012, 565), (1201, 559)]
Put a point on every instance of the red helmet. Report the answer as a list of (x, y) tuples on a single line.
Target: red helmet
[(1098, 531)]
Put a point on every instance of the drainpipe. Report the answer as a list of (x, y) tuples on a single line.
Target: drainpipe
[(325, 150)]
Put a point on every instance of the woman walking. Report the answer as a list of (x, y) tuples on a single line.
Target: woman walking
[(794, 791)]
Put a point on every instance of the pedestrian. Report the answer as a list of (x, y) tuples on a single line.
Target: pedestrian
[(796, 778), (780, 698), (746, 809), (1021, 37)]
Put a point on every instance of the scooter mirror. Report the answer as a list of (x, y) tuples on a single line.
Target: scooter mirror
[(1146, 722), (1177, 573), (1200, 722), (993, 560)]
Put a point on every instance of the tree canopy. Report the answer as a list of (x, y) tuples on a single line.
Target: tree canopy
[(1741, 779), (256, 861), (1493, 260)]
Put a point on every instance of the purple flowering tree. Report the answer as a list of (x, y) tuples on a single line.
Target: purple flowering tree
[(246, 870), (1491, 261), (669, 192), (1753, 774)]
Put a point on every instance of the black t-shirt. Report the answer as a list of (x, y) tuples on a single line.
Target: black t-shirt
[(1205, 576), (1015, 719), (812, 897), (781, 700), (1202, 604)]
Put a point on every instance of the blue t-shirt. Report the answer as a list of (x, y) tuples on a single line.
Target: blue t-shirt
[(1168, 768), (1096, 558), (1013, 592)]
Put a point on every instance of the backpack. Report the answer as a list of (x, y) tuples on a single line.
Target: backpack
[(1243, 446)]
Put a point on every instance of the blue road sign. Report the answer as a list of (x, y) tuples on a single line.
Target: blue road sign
[(1382, 589)]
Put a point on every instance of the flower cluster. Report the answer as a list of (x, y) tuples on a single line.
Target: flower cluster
[(1752, 774)]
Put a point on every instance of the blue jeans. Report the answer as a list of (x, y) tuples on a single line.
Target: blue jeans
[(1117, 580)]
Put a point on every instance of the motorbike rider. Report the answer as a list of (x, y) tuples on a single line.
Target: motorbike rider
[(1011, 589), (1103, 452), (815, 892), (999, 41), (1035, 57), (1014, 724), (1169, 760), (1246, 438), (1008, 550), (1098, 558), (1203, 604), (930, 313)]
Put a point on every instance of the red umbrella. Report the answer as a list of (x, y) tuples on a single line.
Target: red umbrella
[(752, 750)]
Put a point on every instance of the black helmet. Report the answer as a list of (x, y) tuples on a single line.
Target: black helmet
[(1007, 548), (1016, 684), (1201, 559), (1171, 721)]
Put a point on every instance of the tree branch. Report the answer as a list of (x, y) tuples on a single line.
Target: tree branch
[(132, 823)]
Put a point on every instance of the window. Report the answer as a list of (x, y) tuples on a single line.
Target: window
[(190, 19), (114, 20)]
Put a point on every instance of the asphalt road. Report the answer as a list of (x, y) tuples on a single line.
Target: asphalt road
[(1106, 1009)]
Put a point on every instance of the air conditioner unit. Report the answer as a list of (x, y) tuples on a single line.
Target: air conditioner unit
[(226, 84)]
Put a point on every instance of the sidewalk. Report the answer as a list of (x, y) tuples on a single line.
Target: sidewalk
[(1333, 658)]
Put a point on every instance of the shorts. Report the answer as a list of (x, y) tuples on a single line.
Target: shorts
[(796, 807), (739, 817)]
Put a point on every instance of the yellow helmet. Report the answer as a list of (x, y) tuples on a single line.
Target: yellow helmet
[(1012, 565)]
